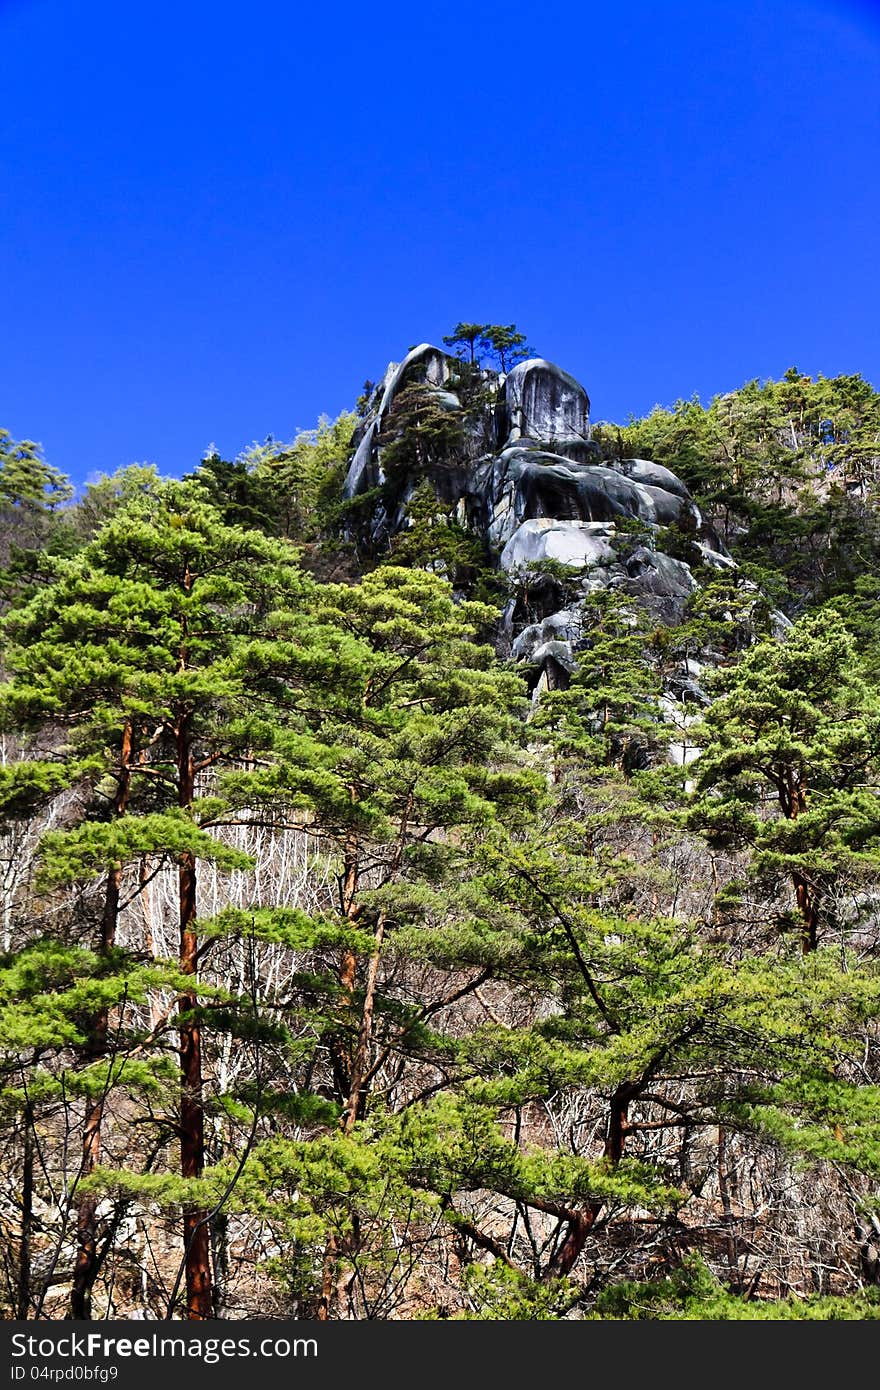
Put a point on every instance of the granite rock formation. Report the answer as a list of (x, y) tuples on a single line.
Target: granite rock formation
[(524, 452), (517, 468)]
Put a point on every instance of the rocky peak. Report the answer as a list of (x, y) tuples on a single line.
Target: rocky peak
[(540, 402), (511, 459), (505, 451)]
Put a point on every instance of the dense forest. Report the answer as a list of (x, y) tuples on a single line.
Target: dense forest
[(366, 957)]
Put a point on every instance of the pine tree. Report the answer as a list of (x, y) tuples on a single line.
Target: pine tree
[(505, 344), (434, 540), (411, 739), (464, 338), (420, 434), (608, 715), (284, 489), (131, 656), (788, 766), (33, 494), (641, 1027)]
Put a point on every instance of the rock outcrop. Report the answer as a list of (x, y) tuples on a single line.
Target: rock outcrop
[(517, 468), (539, 401), (524, 452), (524, 483), (578, 544)]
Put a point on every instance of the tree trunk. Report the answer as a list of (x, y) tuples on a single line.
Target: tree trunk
[(339, 1050), (343, 1061), (581, 1224), (219, 1231), (196, 1235), (85, 1267), (727, 1215), (86, 1264), (328, 1277), (806, 902), (357, 1067), (805, 895), (27, 1218), (576, 1238), (868, 1237), (357, 1094)]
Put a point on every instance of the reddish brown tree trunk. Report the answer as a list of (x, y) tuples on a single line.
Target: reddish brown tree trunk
[(27, 1219), (582, 1222), (343, 1061), (196, 1235), (805, 895), (357, 1092), (806, 902), (86, 1263), (355, 1066), (328, 1275)]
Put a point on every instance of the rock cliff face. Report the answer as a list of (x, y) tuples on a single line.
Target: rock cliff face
[(512, 459), (539, 401), (525, 451)]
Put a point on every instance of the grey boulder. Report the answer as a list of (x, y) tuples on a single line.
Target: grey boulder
[(543, 402), (577, 544)]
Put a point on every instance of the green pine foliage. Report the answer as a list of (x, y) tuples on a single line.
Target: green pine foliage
[(345, 973), (436, 540), (607, 716), (789, 765), (692, 1294), (289, 490), (33, 518), (785, 471)]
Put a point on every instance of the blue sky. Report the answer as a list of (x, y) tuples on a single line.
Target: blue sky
[(217, 220)]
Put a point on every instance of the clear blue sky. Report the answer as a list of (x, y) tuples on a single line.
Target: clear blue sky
[(217, 219)]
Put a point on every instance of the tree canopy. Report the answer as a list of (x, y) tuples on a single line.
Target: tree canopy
[(359, 962)]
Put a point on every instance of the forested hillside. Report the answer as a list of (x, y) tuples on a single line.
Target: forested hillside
[(441, 861)]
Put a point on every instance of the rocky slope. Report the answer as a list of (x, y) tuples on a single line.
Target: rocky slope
[(512, 459)]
